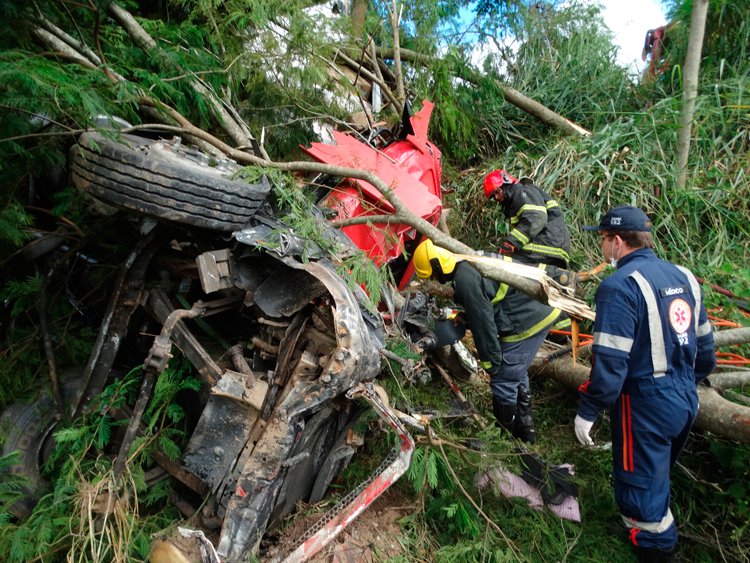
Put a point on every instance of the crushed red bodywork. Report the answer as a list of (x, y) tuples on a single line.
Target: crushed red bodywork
[(412, 166)]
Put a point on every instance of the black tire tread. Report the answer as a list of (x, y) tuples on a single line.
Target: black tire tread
[(119, 175), (140, 196)]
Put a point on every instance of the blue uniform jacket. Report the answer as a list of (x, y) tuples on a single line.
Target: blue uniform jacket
[(651, 330)]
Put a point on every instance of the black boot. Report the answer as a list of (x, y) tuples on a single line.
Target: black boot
[(656, 555), (524, 429), (505, 415)]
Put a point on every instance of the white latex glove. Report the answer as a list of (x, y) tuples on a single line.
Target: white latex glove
[(583, 427)]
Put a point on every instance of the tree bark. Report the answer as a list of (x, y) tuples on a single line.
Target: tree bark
[(359, 11), (690, 86), (731, 337), (730, 380), (513, 96)]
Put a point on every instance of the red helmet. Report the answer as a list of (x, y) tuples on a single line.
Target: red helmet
[(495, 180)]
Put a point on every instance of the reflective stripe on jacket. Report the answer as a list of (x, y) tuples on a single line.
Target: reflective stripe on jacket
[(651, 333), (494, 309)]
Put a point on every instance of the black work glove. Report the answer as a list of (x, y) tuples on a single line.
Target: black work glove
[(507, 248)]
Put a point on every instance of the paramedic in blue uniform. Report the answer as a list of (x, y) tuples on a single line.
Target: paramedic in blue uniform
[(652, 346)]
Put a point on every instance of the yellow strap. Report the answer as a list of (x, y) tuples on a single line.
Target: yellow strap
[(534, 329), (529, 207), (500, 295)]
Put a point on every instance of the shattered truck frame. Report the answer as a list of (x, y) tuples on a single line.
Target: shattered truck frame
[(277, 426)]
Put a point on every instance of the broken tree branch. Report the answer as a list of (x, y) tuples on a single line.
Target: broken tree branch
[(72, 42), (397, 105), (376, 67), (513, 96), (141, 38), (730, 380)]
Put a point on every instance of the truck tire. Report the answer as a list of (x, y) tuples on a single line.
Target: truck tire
[(155, 178), (29, 431)]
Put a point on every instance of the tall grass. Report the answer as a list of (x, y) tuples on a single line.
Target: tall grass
[(630, 160)]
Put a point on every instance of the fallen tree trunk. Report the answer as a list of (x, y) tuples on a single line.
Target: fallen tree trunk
[(716, 415), (730, 380), (513, 96), (731, 337)]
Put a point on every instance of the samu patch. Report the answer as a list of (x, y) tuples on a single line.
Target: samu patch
[(680, 315)]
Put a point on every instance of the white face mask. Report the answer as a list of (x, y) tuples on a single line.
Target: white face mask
[(613, 260)]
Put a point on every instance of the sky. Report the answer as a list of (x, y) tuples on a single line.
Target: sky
[(629, 20)]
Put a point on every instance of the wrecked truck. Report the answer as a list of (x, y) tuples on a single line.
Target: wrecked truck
[(276, 424)]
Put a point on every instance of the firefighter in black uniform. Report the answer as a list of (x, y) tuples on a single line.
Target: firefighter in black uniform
[(508, 328), (539, 235)]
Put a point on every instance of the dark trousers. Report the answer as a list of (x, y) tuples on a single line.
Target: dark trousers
[(650, 427), (517, 357)]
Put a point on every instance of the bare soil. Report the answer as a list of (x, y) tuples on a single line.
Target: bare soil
[(372, 537)]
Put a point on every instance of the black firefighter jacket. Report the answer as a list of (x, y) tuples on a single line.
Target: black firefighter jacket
[(494, 309), (538, 230)]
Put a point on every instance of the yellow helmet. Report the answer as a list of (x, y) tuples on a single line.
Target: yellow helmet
[(428, 256)]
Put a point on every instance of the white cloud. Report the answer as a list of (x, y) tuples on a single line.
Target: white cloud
[(629, 20)]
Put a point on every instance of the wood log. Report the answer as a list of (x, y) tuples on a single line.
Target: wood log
[(731, 337)]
